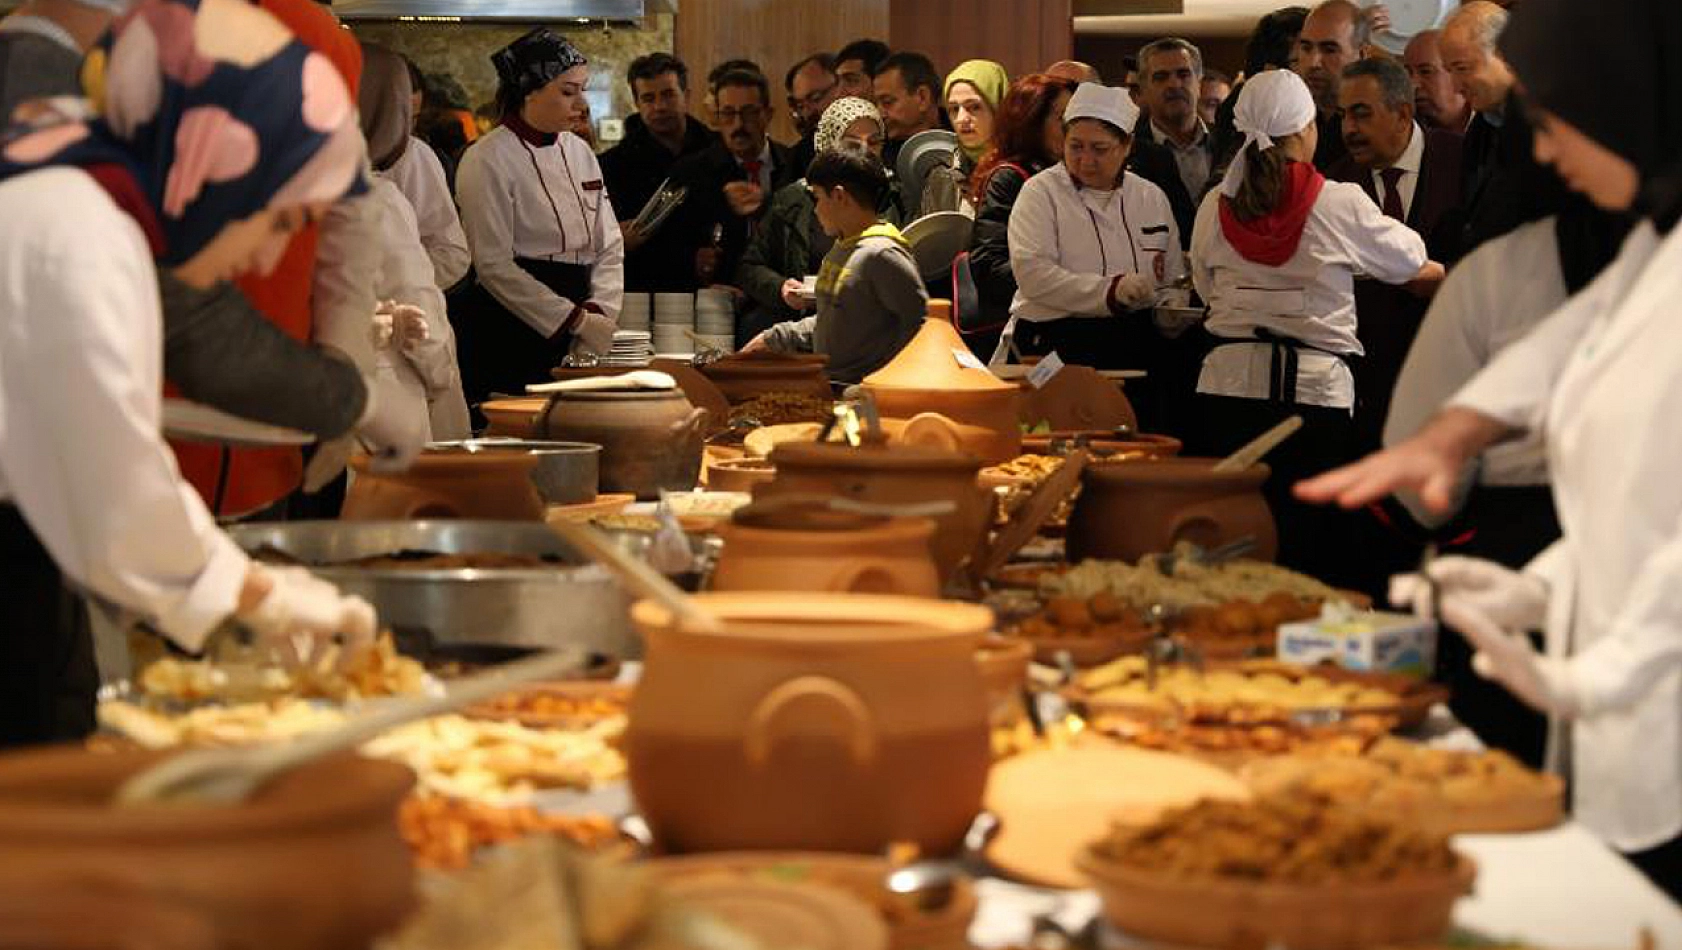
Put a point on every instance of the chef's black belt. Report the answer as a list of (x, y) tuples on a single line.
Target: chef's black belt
[(1282, 375)]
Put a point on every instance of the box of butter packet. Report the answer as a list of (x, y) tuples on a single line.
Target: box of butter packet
[(1370, 640)]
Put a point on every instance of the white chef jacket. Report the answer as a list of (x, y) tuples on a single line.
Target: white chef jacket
[(1068, 244), (429, 369), (342, 298), (546, 203), (1309, 298), (420, 175), (1491, 299), (81, 366), (1599, 378)]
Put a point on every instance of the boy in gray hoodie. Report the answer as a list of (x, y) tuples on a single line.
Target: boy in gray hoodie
[(871, 299)]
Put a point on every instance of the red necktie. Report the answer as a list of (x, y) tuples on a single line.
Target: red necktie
[(1392, 205), (752, 167)]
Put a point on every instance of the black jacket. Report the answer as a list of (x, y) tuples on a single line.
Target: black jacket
[(989, 246), (633, 169), (1504, 186), (705, 174), (1154, 162)]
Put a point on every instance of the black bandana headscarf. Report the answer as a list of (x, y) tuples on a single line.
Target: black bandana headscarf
[(530, 63)]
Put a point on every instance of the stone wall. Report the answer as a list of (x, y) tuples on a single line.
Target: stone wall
[(463, 50)]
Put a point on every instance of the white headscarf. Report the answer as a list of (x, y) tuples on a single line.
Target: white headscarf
[(1276, 102), (839, 117)]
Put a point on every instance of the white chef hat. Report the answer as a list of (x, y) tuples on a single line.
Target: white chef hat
[(1276, 102), (1110, 104)]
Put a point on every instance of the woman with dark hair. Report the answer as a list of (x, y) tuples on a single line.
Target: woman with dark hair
[(547, 251), (1275, 252), (1027, 139)]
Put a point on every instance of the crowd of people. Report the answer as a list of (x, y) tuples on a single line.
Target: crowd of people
[(242, 200)]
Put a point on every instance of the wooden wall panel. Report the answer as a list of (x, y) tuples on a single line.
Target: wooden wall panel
[(773, 33), (1023, 35)]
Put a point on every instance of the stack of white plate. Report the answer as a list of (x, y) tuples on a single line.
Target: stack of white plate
[(715, 319), (630, 348), (635, 313), (674, 320)]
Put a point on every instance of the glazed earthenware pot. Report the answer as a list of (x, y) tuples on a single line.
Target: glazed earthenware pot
[(699, 390), (1076, 398), (1130, 509), (825, 722), (491, 486), (893, 475), (860, 555), (746, 375), (651, 440), (738, 474), (314, 861), (515, 418), (926, 378)]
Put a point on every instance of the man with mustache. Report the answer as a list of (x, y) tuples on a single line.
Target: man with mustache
[(730, 183), (1170, 143)]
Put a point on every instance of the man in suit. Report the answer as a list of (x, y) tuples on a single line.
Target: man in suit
[(731, 182), (1413, 175), (1171, 146)]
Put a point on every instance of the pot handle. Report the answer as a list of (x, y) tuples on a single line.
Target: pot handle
[(865, 577), (931, 430), (690, 425), (811, 697)]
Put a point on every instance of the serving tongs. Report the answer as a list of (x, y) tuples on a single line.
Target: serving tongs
[(1232, 550)]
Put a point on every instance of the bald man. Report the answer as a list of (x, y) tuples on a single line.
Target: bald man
[(1074, 70), (1334, 35), (1437, 102)]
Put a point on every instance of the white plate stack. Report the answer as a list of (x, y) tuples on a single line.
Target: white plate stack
[(630, 348), (715, 319), (674, 320), (634, 313)]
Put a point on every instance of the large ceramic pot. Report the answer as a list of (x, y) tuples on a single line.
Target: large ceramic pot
[(650, 440), (1078, 397), (696, 387), (1126, 511), (746, 375), (893, 474), (313, 861), (869, 556), (824, 722), (491, 486), (926, 379), (515, 418)]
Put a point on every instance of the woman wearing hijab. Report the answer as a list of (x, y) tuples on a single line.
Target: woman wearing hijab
[(1598, 379), (421, 352), (972, 96), (547, 250), (218, 136), (1089, 244), (1275, 252), (789, 244)]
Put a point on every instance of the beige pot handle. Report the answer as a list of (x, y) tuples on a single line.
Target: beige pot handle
[(850, 719), (689, 425)]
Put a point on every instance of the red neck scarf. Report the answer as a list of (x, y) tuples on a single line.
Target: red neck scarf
[(527, 133), (1273, 238), (119, 183)]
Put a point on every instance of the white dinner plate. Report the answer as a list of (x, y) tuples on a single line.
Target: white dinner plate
[(1409, 18)]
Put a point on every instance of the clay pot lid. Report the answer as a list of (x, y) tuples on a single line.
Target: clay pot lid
[(802, 512), (929, 362), (1174, 471), (871, 458), (781, 914)]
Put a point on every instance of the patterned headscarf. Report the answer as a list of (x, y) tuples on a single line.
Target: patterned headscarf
[(840, 116), (534, 60), (215, 111)]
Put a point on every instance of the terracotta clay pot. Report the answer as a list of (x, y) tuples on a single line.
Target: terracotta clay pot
[(515, 418), (893, 474), (697, 388), (1077, 398), (1126, 511), (926, 378), (739, 474), (1003, 662), (490, 486), (650, 440), (825, 722), (746, 375), (1104, 441), (313, 862), (878, 556)]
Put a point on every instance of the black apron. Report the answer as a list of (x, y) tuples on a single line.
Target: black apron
[(48, 676), (1128, 341), (499, 352)]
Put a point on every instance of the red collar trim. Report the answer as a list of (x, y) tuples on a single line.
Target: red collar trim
[(528, 134)]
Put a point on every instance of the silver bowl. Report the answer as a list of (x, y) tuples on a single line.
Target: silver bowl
[(567, 473)]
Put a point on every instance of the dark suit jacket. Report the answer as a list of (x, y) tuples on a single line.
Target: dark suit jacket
[(633, 169), (1388, 317), (705, 174), (1504, 186), (1154, 162)]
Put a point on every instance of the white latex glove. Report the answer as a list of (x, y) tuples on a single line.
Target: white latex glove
[(1509, 598), (1135, 291), (302, 613), (396, 426), (593, 336), (1506, 657), (407, 323)]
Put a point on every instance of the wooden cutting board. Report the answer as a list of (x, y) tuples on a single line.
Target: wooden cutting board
[(1052, 804)]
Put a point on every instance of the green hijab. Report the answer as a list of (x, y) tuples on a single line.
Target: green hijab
[(988, 78)]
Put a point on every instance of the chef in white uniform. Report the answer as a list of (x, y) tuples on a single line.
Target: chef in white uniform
[(1275, 252), (1090, 243), (420, 176), (90, 498), (547, 251), (1599, 379)]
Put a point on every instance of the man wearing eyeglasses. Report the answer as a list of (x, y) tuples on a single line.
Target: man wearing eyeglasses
[(731, 182), (812, 85)]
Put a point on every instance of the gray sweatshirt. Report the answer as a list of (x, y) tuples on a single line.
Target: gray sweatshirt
[(871, 302)]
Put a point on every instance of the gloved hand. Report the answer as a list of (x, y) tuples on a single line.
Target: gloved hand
[(302, 613), (1506, 657), (396, 426), (407, 322), (593, 336), (1509, 598), (1133, 291)]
